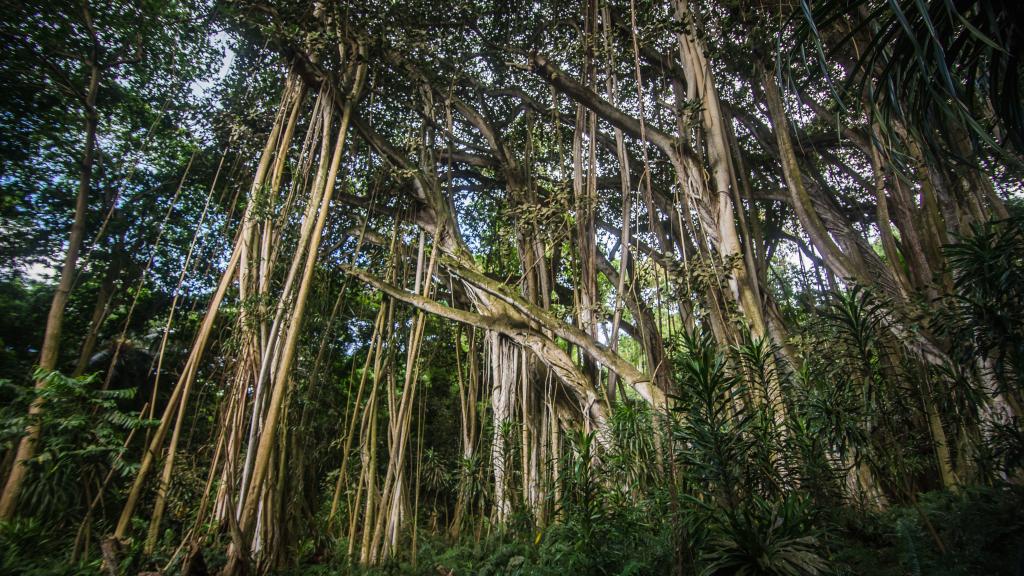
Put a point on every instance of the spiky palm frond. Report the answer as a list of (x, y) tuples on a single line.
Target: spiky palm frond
[(928, 63), (857, 319), (634, 454), (985, 314), (757, 357)]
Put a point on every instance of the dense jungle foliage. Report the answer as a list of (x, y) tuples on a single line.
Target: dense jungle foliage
[(489, 287)]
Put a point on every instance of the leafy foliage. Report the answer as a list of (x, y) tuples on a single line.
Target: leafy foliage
[(86, 438), (985, 314)]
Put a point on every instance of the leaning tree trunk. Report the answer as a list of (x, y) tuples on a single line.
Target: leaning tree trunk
[(55, 320)]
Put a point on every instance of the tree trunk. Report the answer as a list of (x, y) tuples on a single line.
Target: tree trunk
[(49, 356)]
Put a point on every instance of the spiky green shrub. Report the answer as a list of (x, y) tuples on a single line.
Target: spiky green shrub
[(985, 314), (740, 512), (716, 423), (765, 538)]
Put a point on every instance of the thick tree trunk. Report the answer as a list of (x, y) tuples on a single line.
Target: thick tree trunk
[(504, 373)]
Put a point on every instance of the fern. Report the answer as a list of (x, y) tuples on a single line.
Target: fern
[(83, 437)]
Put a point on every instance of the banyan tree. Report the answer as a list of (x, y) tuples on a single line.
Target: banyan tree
[(439, 271)]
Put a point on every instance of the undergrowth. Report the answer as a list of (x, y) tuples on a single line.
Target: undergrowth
[(980, 529)]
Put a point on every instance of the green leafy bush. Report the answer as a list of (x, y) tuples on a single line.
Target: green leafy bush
[(84, 437)]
